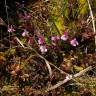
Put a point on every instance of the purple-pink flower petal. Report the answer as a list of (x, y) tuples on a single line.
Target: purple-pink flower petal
[(41, 40), (64, 36), (55, 38), (10, 29), (74, 42), (25, 33), (43, 49)]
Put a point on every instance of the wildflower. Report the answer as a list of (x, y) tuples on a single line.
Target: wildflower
[(43, 49), (64, 36), (55, 38), (74, 42), (41, 40), (11, 29), (25, 33)]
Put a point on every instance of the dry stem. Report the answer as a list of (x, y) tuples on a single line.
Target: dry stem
[(68, 79), (93, 22)]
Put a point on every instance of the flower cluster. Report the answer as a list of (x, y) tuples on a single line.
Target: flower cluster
[(42, 46), (55, 38), (45, 44), (10, 29), (54, 41)]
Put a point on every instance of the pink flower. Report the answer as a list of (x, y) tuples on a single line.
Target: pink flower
[(74, 42), (64, 36), (55, 38), (41, 40), (43, 49), (11, 29), (25, 33)]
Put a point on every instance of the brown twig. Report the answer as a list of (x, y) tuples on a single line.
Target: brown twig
[(68, 79), (19, 42)]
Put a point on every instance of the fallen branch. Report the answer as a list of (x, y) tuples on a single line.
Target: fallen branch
[(82, 72), (68, 78)]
